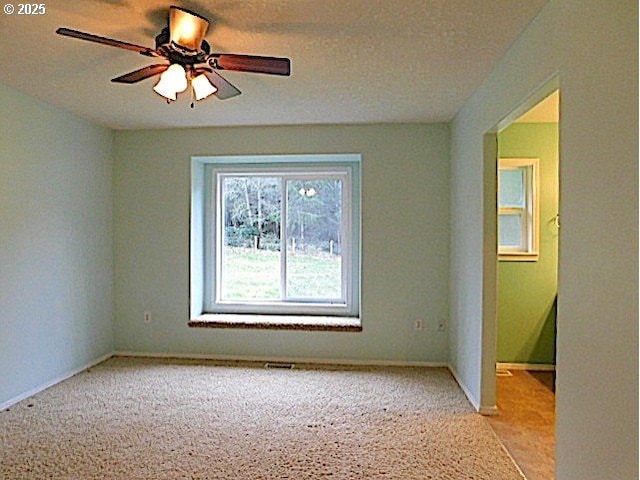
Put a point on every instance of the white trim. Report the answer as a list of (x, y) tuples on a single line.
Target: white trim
[(317, 361), (54, 381), (546, 88), (530, 213), (488, 411), (481, 409), (518, 257), (330, 306), (201, 292), (534, 367)]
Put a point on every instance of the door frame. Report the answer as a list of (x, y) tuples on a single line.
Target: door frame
[(490, 244)]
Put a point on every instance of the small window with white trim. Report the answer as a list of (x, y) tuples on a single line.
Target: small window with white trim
[(279, 235), (518, 209)]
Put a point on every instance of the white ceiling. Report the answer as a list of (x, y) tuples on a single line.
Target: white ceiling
[(358, 61)]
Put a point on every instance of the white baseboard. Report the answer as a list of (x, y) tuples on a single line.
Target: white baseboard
[(481, 409), (319, 361), (52, 382), (534, 367), (484, 410), (489, 410)]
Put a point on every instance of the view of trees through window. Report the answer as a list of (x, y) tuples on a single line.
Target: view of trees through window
[(260, 214)]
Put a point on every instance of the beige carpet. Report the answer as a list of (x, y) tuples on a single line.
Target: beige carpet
[(171, 419)]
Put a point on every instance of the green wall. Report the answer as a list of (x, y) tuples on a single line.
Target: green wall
[(527, 290), (404, 255)]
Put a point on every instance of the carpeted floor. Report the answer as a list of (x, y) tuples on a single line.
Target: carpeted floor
[(131, 418)]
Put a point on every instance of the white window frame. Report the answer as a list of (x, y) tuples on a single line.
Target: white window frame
[(205, 234), (528, 251)]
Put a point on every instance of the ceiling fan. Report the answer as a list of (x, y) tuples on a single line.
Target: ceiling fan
[(187, 58)]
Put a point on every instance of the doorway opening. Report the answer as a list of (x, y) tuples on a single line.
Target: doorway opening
[(528, 224)]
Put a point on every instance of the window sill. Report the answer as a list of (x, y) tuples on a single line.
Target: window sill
[(307, 323), (518, 257)]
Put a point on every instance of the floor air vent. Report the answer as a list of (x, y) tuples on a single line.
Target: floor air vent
[(503, 372), (286, 366)]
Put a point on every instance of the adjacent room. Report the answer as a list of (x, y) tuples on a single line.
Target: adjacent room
[(297, 239), (527, 286)]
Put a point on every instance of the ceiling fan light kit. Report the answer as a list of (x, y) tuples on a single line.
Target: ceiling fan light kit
[(172, 82), (182, 45), (202, 87)]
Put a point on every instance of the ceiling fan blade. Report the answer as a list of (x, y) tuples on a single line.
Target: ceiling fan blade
[(251, 63), (187, 28), (67, 32), (146, 72), (225, 89)]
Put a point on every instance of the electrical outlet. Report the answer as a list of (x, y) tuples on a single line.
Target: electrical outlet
[(419, 325), (147, 317)]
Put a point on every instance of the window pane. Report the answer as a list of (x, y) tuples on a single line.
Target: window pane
[(511, 188), (250, 264), (510, 230), (314, 239)]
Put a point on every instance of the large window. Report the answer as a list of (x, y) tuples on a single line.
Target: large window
[(280, 235), (518, 209)]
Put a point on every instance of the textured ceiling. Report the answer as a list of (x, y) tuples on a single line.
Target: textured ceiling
[(357, 61)]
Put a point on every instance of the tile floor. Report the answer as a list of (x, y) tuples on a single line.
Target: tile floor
[(526, 421)]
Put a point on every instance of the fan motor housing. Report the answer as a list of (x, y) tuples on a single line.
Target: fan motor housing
[(177, 54)]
